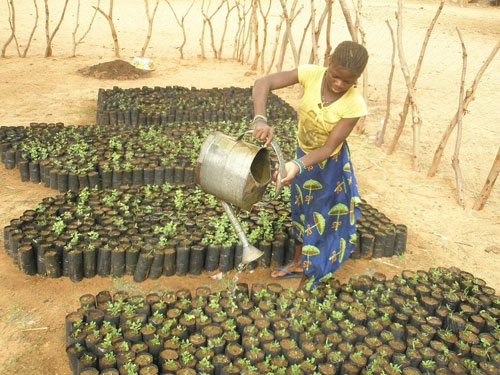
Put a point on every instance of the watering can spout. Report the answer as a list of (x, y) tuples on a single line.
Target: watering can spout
[(250, 253)]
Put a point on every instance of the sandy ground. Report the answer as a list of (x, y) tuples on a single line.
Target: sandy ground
[(38, 89)]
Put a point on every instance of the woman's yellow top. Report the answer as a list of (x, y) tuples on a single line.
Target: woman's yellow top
[(317, 121)]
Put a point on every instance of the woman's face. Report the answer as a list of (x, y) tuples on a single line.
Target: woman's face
[(339, 80)]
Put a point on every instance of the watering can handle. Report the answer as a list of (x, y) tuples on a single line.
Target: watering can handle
[(281, 161)]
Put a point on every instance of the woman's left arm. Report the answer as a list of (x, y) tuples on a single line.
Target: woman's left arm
[(338, 135)]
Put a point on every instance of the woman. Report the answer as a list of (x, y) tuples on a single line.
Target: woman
[(324, 192)]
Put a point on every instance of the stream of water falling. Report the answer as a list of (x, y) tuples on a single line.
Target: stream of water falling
[(241, 267)]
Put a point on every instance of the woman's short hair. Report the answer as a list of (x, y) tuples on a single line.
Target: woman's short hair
[(350, 55)]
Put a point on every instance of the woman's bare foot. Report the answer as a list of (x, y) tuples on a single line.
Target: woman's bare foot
[(289, 270)]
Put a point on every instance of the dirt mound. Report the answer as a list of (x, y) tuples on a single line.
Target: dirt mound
[(117, 69)]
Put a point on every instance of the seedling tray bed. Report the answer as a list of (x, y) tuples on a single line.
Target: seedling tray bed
[(441, 321)]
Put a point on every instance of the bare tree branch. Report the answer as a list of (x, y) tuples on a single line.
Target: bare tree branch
[(181, 24), (380, 137), (208, 20), (328, 47), (360, 126), (12, 24), (348, 20), (314, 51), (288, 38), (202, 36), (317, 32), (455, 160), (48, 49), (13, 27), (417, 121), (109, 18), (264, 16), (75, 42), (357, 19), (255, 29), (32, 31), (490, 182), (242, 23), (242, 38), (150, 25), (306, 27), (469, 96), (47, 22), (237, 34), (276, 43), (414, 80), (228, 12), (77, 25), (249, 35)]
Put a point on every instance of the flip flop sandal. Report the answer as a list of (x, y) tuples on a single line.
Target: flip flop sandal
[(288, 274)]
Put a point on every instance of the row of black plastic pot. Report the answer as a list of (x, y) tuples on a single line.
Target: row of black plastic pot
[(160, 105), (134, 117), (83, 156), (332, 329), (145, 232), (137, 175), (377, 235), (152, 231), (149, 261)]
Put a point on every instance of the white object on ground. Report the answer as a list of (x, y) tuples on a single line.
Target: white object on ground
[(143, 63)]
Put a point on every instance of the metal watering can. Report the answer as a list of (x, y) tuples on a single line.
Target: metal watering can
[(236, 172)]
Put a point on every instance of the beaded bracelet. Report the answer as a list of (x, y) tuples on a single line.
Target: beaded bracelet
[(299, 164), (260, 117)]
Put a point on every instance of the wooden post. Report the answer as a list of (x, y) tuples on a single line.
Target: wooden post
[(455, 160), (360, 126), (328, 47), (348, 20), (306, 27), (181, 24), (255, 36), (416, 119), (207, 20), (276, 43), (289, 17), (469, 96), (264, 16), (406, 105), (150, 24), (114, 35), (12, 24), (32, 31), (242, 39), (50, 37), (380, 138), (229, 9), (488, 185), (314, 52), (317, 31), (75, 42)]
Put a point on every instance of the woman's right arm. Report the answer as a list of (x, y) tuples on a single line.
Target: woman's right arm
[(260, 91)]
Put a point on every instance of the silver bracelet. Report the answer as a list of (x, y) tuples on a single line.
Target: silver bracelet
[(299, 164)]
